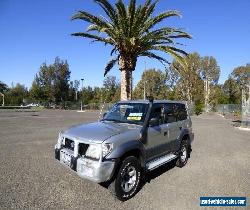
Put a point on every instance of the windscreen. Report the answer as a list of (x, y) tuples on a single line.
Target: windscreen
[(127, 113)]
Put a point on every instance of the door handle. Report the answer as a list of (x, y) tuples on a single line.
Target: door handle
[(165, 133)]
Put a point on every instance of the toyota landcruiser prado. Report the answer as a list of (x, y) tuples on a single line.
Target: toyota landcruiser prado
[(132, 138)]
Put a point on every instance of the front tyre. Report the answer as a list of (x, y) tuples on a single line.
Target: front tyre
[(127, 181), (183, 154)]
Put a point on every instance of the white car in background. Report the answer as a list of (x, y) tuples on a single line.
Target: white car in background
[(32, 105)]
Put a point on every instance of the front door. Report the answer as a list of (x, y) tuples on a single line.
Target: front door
[(157, 136)]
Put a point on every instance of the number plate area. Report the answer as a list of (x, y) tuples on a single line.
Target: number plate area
[(65, 156)]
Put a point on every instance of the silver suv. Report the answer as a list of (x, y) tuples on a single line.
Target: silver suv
[(132, 138)]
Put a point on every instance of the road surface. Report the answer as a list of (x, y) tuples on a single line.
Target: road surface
[(30, 178)]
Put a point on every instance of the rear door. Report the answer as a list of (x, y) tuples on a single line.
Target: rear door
[(173, 127)]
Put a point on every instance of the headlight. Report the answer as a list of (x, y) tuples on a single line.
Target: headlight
[(59, 141), (106, 149), (97, 150), (94, 151), (59, 138)]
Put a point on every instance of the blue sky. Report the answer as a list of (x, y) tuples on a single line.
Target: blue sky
[(36, 31)]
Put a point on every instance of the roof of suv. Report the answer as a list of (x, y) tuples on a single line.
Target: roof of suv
[(155, 101)]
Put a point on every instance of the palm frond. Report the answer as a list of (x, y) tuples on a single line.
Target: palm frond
[(154, 56), (141, 15), (110, 65), (82, 15), (94, 37), (93, 27), (108, 9), (160, 34), (178, 50), (122, 17), (180, 34), (113, 51), (153, 21), (147, 10), (131, 14), (173, 52)]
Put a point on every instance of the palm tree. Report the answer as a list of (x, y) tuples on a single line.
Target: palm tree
[(132, 32)]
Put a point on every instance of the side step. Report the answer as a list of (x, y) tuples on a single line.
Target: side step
[(160, 161)]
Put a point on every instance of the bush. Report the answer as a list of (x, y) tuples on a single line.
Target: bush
[(198, 108)]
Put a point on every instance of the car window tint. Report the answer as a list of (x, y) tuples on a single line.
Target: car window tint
[(170, 113), (181, 112)]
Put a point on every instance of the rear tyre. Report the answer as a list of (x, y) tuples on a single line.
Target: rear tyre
[(127, 181), (183, 154)]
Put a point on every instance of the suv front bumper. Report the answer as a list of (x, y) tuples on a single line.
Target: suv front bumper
[(93, 170)]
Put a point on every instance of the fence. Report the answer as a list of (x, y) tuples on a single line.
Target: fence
[(229, 109), (91, 106), (240, 114)]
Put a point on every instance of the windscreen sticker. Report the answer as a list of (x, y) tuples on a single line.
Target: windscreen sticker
[(135, 118), (135, 114)]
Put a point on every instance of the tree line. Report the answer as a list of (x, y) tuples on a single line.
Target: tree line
[(196, 83), (52, 86)]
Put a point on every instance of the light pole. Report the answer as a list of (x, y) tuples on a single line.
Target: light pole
[(82, 94)]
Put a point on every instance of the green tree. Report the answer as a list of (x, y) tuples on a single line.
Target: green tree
[(109, 93), (3, 87), (210, 70), (97, 95), (43, 84), (61, 80), (210, 73), (217, 96), (132, 32), (52, 82), (188, 84), (110, 89), (73, 94), (36, 92), (154, 82), (16, 95), (87, 94), (232, 89), (242, 75)]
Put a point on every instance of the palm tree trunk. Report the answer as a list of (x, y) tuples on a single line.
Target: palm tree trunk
[(127, 65), (126, 82)]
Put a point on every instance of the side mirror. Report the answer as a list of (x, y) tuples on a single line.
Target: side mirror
[(154, 121), (104, 114)]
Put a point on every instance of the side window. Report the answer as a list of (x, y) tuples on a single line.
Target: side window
[(157, 112), (182, 112), (169, 113)]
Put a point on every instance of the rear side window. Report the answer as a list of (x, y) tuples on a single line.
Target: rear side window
[(181, 112), (170, 113)]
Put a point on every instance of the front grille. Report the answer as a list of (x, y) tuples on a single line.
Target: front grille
[(69, 144), (82, 149)]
